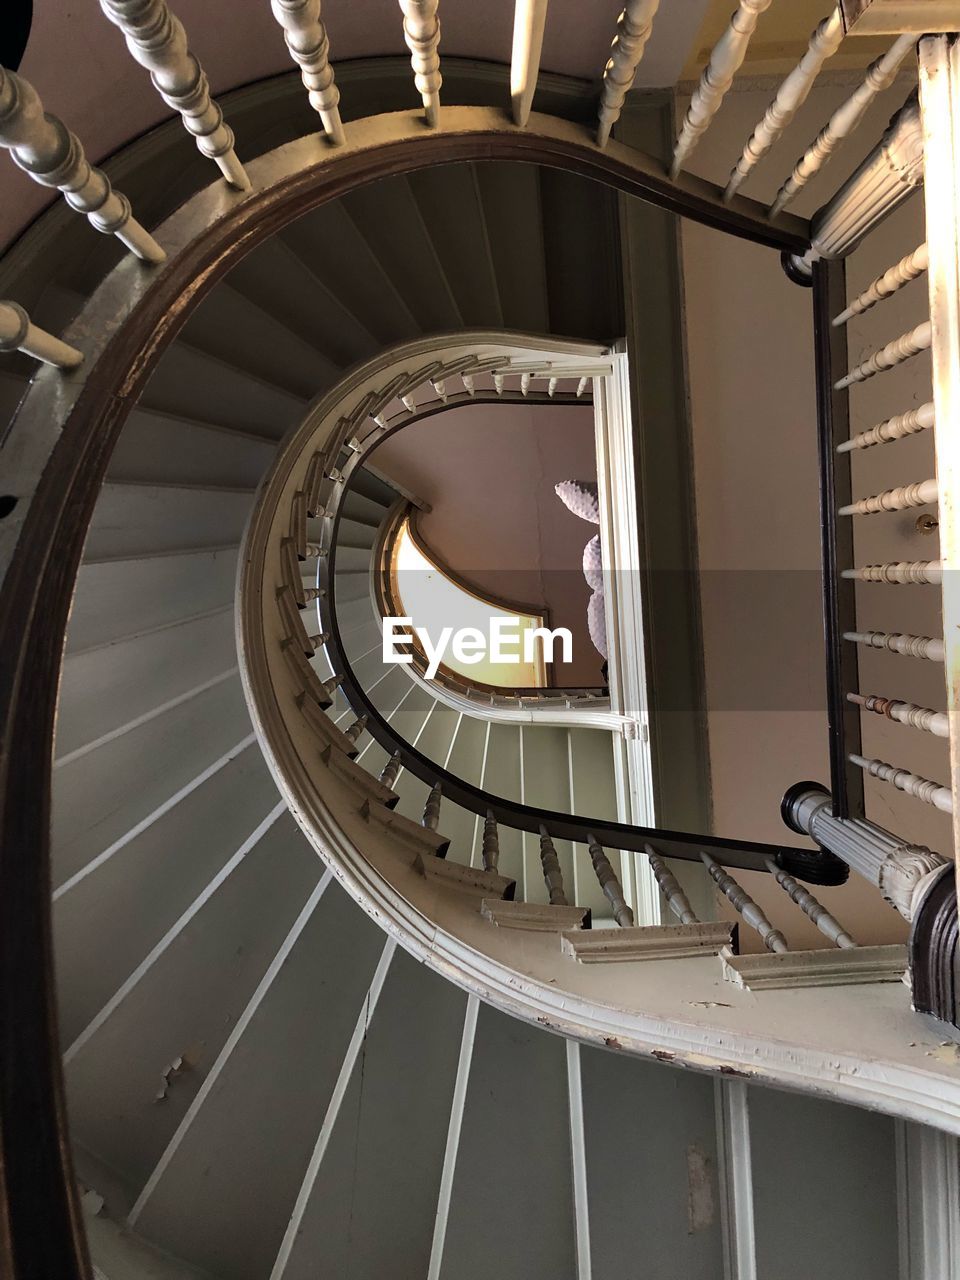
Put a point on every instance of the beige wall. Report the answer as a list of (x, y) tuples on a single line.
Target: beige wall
[(754, 435)]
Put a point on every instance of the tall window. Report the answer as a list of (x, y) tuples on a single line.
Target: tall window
[(433, 600)]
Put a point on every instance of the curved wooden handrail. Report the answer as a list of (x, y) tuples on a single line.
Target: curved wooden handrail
[(40, 1231)]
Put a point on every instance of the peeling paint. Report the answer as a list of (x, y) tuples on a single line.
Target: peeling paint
[(701, 1202)]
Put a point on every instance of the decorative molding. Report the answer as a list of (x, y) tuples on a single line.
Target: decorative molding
[(827, 968), (157, 40), (928, 1202), (540, 917), (467, 880), (935, 949), (738, 1234), (649, 942), (890, 17)]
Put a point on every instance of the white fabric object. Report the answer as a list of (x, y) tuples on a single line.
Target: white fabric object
[(593, 564), (580, 497), (597, 623)]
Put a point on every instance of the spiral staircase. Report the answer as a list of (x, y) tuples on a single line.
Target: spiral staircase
[(326, 937)]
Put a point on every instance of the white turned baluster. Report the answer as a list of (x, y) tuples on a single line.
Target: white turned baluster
[(633, 31), (896, 352), (745, 906), (677, 900), (908, 713), (552, 386), (408, 403), (440, 387), (582, 386), (332, 685), (910, 783), (609, 883), (306, 39), (391, 771), (309, 594), (158, 42), (317, 641), (491, 842), (17, 333), (468, 381), (498, 383), (809, 905), (356, 729), (910, 646), (894, 278), (431, 809), (525, 383), (900, 499), (792, 94), (43, 146), (529, 20), (725, 61), (313, 550), (880, 75), (903, 573), (903, 424), (421, 31), (552, 875)]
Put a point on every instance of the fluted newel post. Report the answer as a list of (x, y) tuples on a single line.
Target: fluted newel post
[(633, 31), (491, 842), (809, 905), (158, 42), (529, 20), (677, 900), (431, 810), (391, 771), (903, 872), (880, 75), (306, 39), (891, 172), (17, 333), (744, 905), (43, 146), (609, 883), (356, 729), (552, 874), (421, 31), (725, 61), (824, 42)]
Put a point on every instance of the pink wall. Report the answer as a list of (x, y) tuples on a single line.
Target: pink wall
[(488, 471)]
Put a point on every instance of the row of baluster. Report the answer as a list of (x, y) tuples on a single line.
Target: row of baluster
[(901, 498)]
